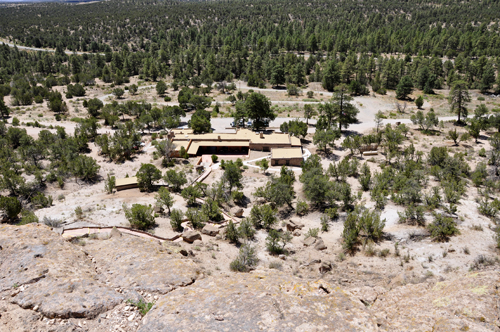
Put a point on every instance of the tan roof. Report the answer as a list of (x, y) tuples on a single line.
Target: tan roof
[(295, 141), (126, 181), (286, 153), (181, 143)]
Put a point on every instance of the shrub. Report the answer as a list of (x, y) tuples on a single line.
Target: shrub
[(413, 215), (197, 217), (41, 201), (385, 252), (15, 122), (176, 216), (191, 194), (277, 265), (276, 241), (263, 216), (110, 184), (52, 222), (312, 232), (79, 212), (231, 232), (246, 260), (442, 228), (370, 225), (142, 306), (27, 217), (324, 223), (246, 229), (365, 177), (361, 222), (140, 216), (214, 158), (332, 213), (11, 206), (302, 208), (238, 197), (482, 261)]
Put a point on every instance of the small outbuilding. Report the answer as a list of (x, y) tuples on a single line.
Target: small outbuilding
[(286, 156), (126, 183)]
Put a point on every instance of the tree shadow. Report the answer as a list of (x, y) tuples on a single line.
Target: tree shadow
[(286, 213)]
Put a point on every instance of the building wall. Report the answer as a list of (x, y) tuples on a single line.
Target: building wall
[(128, 186), (267, 147), (286, 161)]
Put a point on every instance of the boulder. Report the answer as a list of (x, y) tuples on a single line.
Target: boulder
[(325, 267), (258, 301), (210, 230), (237, 212), (115, 233), (198, 243), (309, 241), (319, 244), (292, 225), (191, 236)]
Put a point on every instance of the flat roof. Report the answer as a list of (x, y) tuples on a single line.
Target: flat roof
[(240, 135), (126, 181), (181, 143), (286, 153), (295, 141)]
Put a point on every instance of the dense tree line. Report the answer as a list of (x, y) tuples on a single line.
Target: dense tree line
[(441, 27)]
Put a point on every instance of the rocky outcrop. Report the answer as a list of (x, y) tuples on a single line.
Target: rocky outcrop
[(141, 264), (43, 278), (46, 272), (258, 301), (468, 303)]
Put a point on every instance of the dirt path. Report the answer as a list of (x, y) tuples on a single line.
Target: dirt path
[(26, 48)]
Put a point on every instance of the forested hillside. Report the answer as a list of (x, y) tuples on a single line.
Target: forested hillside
[(261, 42)]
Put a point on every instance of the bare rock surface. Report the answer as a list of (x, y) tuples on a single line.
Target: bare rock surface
[(467, 303), (47, 272), (142, 264), (258, 301)]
